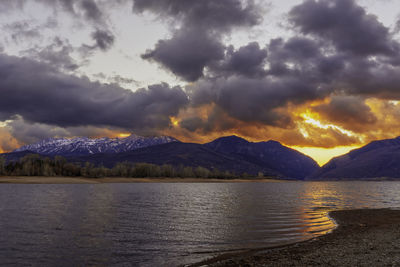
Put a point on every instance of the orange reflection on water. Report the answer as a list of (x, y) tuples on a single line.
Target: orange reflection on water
[(320, 198)]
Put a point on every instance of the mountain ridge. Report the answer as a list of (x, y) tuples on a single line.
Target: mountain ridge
[(229, 153), (87, 146), (377, 159), (179, 154), (270, 154)]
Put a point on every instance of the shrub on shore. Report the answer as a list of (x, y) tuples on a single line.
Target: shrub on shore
[(35, 165)]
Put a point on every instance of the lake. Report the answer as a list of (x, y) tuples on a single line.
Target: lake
[(168, 224)]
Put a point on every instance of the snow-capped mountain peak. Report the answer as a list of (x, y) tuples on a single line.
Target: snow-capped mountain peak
[(86, 146)]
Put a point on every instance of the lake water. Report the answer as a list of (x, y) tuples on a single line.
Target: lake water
[(166, 224)]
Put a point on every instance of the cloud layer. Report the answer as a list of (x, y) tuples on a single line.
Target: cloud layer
[(334, 81), (41, 94), (341, 54), (197, 42)]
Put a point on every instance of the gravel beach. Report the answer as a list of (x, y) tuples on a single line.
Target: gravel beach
[(368, 237)]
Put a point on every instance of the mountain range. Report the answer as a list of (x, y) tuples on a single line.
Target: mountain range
[(271, 155), (88, 146), (377, 159), (230, 153)]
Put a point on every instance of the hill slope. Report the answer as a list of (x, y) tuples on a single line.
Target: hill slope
[(375, 160), (176, 154), (271, 154)]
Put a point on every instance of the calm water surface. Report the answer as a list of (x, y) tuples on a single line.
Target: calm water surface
[(168, 224)]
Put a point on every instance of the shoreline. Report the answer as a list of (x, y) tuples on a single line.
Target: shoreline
[(362, 237), (107, 180)]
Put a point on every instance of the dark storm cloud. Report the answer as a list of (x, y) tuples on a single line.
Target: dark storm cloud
[(248, 60), (320, 62), (91, 10), (285, 73), (346, 24), (252, 84), (31, 132), (39, 93), (186, 53), (338, 51), (104, 39), (252, 99), (295, 49), (371, 78), (198, 40), (28, 133), (192, 123), (215, 15), (348, 111), (286, 57), (304, 58)]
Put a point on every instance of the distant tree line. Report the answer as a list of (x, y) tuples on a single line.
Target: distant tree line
[(35, 165)]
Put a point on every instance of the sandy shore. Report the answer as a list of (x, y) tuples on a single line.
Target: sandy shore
[(363, 238), (80, 180)]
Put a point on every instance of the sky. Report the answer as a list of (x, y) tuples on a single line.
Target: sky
[(321, 76)]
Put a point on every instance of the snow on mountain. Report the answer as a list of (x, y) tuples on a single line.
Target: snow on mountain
[(87, 146)]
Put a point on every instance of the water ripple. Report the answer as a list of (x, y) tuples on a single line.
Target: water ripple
[(169, 224)]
